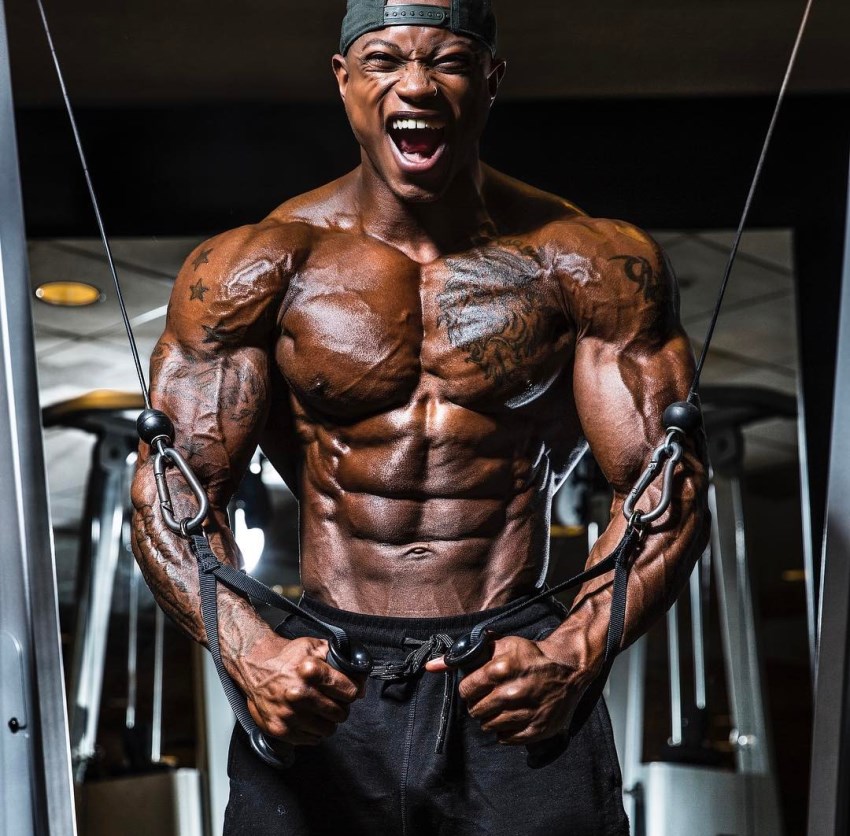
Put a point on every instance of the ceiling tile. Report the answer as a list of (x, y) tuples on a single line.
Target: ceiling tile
[(141, 294), (772, 246), (766, 332), (699, 268), (162, 255)]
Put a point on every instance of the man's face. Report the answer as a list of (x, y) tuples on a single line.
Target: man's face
[(417, 98)]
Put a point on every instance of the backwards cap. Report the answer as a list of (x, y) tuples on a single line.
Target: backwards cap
[(473, 18)]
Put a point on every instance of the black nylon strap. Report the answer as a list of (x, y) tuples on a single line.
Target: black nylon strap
[(209, 612), (620, 561), (238, 581), (619, 594)]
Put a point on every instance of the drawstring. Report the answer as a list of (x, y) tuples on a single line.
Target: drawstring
[(413, 665)]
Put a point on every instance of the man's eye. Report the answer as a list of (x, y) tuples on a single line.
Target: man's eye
[(452, 64), (381, 61)]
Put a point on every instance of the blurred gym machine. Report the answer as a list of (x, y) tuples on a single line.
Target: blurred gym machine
[(35, 767), (689, 791), (165, 801)]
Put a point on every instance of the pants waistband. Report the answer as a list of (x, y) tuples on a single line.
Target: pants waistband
[(390, 632)]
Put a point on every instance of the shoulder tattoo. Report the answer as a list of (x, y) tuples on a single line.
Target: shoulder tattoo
[(641, 271)]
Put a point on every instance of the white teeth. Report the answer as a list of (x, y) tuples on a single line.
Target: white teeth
[(416, 124)]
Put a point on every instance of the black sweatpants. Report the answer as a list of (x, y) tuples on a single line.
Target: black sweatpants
[(379, 774)]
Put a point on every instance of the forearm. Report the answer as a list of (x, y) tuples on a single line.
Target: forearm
[(171, 572), (658, 572)]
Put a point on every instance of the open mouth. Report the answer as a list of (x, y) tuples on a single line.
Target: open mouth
[(419, 141)]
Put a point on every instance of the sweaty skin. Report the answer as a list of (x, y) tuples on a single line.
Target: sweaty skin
[(420, 347)]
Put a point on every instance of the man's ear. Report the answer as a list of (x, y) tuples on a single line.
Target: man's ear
[(340, 70), (494, 79)]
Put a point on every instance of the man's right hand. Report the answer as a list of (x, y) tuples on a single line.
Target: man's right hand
[(293, 693)]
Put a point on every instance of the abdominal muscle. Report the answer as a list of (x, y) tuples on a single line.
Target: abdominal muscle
[(400, 520)]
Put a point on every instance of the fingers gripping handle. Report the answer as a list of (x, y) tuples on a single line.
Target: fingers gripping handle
[(351, 659), (344, 655), (473, 651)]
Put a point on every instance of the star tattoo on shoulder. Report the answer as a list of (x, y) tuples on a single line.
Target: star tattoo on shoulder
[(203, 257), (197, 290)]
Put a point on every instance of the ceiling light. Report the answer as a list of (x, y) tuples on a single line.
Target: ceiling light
[(69, 294)]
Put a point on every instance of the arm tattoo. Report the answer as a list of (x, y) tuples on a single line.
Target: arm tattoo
[(640, 271), (191, 447), (496, 308), (203, 257), (197, 290), (219, 333)]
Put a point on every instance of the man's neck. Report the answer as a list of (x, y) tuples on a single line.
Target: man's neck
[(423, 230)]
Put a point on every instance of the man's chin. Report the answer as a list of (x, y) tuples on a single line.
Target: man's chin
[(421, 188)]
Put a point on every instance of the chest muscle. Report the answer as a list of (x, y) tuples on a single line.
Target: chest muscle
[(359, 332)]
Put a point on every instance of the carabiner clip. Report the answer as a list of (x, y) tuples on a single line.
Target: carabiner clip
[(186, 526), (667, 455)]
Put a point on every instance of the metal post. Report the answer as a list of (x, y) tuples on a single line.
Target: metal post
[(675, 676), (158, 660), (99, 558), (743, 669), (828, 800), (698, 631), (132, 637), (36, 793)]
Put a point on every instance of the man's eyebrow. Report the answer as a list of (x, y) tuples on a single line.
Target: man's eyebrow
[(379, 42), (458, 42)]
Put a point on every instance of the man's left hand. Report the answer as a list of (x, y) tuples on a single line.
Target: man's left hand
[(522, 694)]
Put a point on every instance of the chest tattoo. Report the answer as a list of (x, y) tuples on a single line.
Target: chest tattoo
[(495, 307)]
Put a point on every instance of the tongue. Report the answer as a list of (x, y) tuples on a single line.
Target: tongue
[(421, 143)]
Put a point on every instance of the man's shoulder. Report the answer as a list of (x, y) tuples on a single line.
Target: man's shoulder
[(272, 245), (614, 275), (602, 238), (605, 255), (230, 283)]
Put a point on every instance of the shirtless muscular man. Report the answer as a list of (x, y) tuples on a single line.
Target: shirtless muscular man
[(419, 348)]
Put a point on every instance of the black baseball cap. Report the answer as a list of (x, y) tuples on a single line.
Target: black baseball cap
[(473, 18)]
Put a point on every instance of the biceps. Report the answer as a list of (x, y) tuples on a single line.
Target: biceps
[(218, 405), (621, 395)]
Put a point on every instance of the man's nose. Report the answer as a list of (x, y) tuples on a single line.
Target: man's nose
[(415, 83)]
